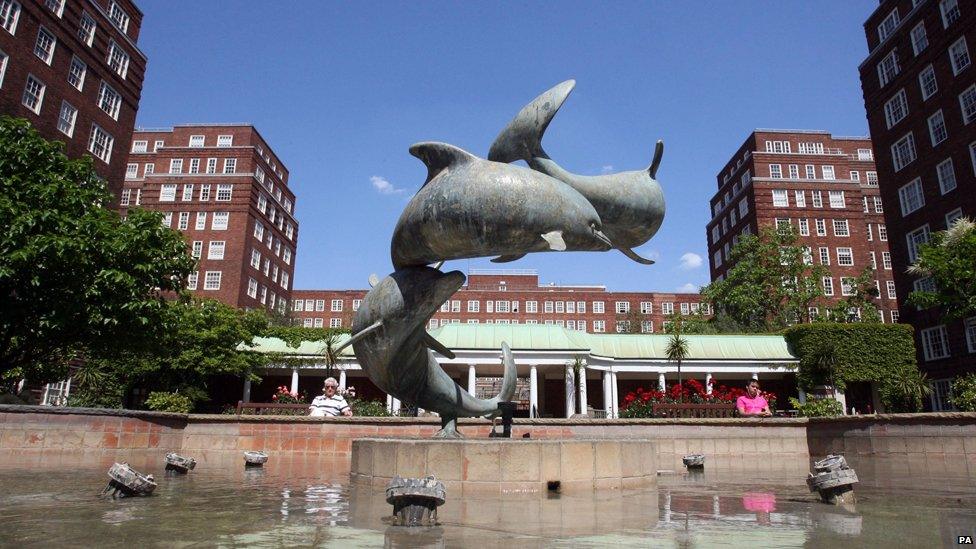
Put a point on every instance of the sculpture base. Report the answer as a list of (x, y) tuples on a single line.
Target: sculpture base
[(508, 466)]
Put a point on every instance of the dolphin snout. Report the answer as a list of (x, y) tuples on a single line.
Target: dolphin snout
[(598, 234)]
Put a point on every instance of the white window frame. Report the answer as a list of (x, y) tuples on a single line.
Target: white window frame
[(845, 257), (781, 198), (225, 140), (109, 100), (230, 165), (226, 191), (66, 125), (31, 99), (216, 249), (937, 128), (916, 238), (77, 71), (967, 104), (824, 255), (100, 143), (201, 222), (888, 68), (841, 228), (87, 28), (920, 39), (949, 9), (211, 280), (970, 329), (888, 25), (9, 15), (927, 82), (118, 59), (44, 45), (932, 336), (911, 196), (896, 108), (960, 59), (118, 16), (836, 199), (903, 151), (220, 221), (828, 173)]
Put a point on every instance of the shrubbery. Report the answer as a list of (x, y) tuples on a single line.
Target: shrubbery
[(640, 403), (169, 402), (818, 407), (837, 354), (964, 393)]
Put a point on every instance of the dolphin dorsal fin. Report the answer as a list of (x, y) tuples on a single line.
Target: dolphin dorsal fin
[(438, 156)]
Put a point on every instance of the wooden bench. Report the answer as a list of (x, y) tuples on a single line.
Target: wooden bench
[(271, 408), (693, 410)]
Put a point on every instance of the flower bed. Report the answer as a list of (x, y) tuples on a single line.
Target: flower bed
[(640, 403)]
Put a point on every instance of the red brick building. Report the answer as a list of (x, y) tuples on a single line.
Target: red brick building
[(826, 189), (516, 297), (920, 94), (72, 68), (227, 191)]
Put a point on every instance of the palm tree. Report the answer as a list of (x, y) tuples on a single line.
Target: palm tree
[(911, 387), (826, 360), (676, 351)]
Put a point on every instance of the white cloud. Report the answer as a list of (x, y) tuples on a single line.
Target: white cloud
[(691, 261), (384, 186), (688, 288), (606, 169)]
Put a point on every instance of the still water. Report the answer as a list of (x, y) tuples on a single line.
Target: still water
[(299, 502)]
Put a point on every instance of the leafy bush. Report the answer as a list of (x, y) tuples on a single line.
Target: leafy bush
[(818, 407), (284, 396), (169, 402), (964, 393), (837, 354), (368, 408)]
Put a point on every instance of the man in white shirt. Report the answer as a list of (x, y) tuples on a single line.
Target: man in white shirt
[(329, 404)]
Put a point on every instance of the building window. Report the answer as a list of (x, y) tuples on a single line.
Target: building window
[(882, 232), (667, 308), (100, 143), (230, 165), (804, 227), (225, 140), (800, 199), (952, 216), (828, 285), (887, 68), (646, 307), (915, 239), (109, 100), (959, 55), (204, 193), (119, 18), (139, 146), (825, 256), (783, 226), (598, 307), (184, 222), (219, 221), (66, 125), (927, 82), (828, 172), (196, 250), (258, 230), (847, 285), (896, 108), (196, 141), (44, 45), (622, 307), (919, 39), (336, 306), (255, 258), (201, 223), (950, 12), (286, 256), (821, 227), (191, 280), (126, 197), (911, 196), (780, 198), (886, 260), (599, 326), (86, 29), (888, 25), (817, 199), (878, 206), (9, 13), (743, 207), (176, 165), (841, 228), (224, 193), (971, 334), (211, 165), (845, 257), (794, 171), (775, 171), (903, 151), (871, 178), (167, 193), (298, 305), (967, 103), (836, 199), (33, 94), (811, 148), (937, 128), (211, 281), (335, 323), (216, 250), (935, 344), (890, 286), (118, 60), (318, 322), (531, 307), (77, 72)]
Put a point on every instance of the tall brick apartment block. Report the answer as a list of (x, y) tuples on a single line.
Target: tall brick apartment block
[(227, 191), (516, 297), (826, 189), (72, 68), (919, 87)]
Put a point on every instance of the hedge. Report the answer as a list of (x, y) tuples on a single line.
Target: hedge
[(863, 352)]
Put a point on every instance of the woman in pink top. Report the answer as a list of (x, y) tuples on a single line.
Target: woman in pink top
[(753, 404)]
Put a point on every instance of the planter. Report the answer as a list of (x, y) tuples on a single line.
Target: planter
[(694, 461), (126, 481), (180, 464), (415, 500)]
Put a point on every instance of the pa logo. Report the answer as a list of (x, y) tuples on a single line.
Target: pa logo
[(964, 540)]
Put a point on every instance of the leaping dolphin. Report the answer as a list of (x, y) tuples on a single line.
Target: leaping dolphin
[(394, 349), (471, 207), (630, 204)]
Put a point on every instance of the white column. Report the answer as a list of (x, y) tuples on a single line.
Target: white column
[(294, 380), (570, 391), (582, 388), (660, 382), (396, 406), (533, 391), (247, 391), (802, 396), (708, 383), (472, 380), (614, 394), (342, 379), (389, 403), (607, 395)]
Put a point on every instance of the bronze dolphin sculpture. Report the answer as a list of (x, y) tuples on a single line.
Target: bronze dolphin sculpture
[(471, 207), (630, 204), (392, 345)]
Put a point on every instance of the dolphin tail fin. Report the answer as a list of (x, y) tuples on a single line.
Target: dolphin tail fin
[(521, 139), (633, 255), (467, 405), (507, 258), (658, 153), (508, 378), (438, 156)]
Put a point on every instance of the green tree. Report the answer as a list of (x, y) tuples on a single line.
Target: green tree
[(950, 261), (863, 293), (205, 341), (633, 319), (677, 348), (771, 285), (74, 275), (695, 323)]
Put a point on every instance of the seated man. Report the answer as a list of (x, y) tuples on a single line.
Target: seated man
[(329, 404), (752, 404)]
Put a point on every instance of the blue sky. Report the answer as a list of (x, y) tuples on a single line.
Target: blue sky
[(341, 90)]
